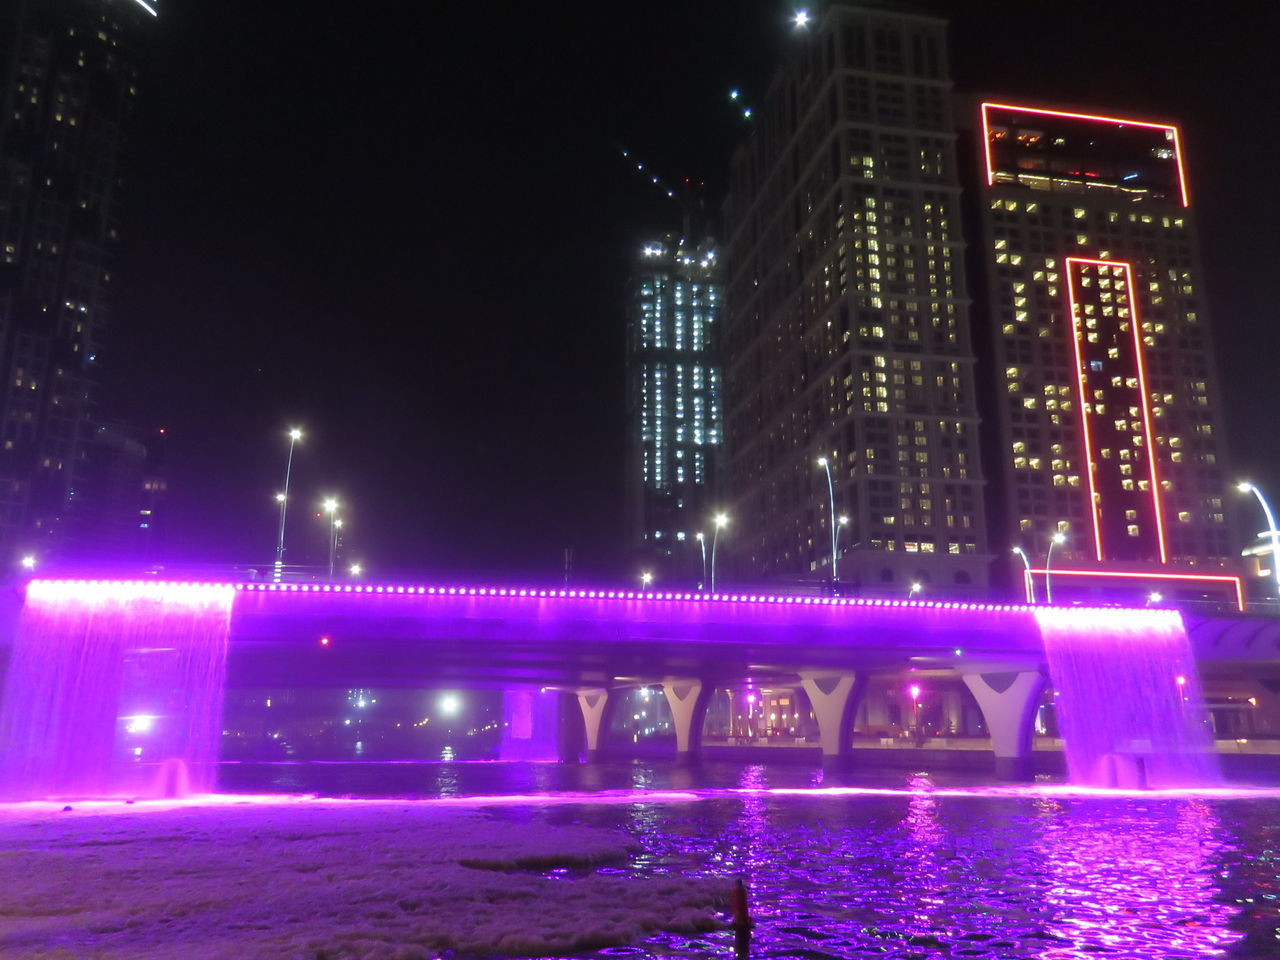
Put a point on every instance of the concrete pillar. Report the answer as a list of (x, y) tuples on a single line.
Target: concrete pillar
[(1008, 701), (833, 697), (687, 699), (594, 702)]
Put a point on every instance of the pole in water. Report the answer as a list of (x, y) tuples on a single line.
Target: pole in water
[(741, 919)]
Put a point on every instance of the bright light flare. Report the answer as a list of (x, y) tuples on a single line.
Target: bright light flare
[(801, 19), (28, 562), (450, 704)]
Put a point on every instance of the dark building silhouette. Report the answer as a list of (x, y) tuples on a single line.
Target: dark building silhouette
[(847, 327), (69, 84)]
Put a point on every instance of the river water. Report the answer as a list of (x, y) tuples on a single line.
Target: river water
[(895, 864)]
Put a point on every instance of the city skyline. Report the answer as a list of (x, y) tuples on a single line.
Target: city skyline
[(340, 286)]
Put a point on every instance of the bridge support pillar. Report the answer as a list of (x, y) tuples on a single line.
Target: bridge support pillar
[(687, 699), (593, 703), (1008, 701), (833, 696)]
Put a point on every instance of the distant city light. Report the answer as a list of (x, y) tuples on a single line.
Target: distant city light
[(746, 114), (801, 19)]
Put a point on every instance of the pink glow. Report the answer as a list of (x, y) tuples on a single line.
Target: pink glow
[(121, 589), (915, 692), (1041, 111)]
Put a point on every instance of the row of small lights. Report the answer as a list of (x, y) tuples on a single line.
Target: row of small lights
[(581, 595)]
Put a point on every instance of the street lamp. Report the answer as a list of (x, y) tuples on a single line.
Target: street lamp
[(1247, 487), (1026, 563), (331, 508), (801, 19), (646, 578), (28, 562), (702, 545), (831, 495), (356, 569), (916, 587), (721, 520), (283, 499), (1056, 539), (914, 690)]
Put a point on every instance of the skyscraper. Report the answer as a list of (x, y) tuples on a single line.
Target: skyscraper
[(1106, 399), (847, 332), (69, 86), (673, 402)]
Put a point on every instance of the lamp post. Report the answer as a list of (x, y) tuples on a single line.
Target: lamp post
[(831, 499), (1056, 539), (916, 587), (356, 570), (331, 508), (914, 690), (646, 579), (721, 520), (702, 545), (283, 499), (1247, 487), (1026, 563)]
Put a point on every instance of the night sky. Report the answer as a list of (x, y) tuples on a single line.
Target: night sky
[(406, 228)]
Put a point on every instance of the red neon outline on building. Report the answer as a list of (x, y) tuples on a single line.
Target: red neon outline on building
[(1133, 575), (1169, 127), (1084, 415), (1149, 438)]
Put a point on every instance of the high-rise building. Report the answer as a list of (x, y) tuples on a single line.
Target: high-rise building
[(847, 331), (673, 402), (1104, 396), (69, 82)]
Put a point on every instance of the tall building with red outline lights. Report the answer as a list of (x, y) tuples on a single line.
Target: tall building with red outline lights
[(1104, 394)]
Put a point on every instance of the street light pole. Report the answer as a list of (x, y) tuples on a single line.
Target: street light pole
[(1056, 539), (702, 545), (721, 520), (294, 436), (331, 508), (1026, 563), (1247, 487), (831, 499)]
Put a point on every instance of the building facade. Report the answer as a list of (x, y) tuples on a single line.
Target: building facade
[(70, 81), (1105, 399), (847, 332), (673, 404)]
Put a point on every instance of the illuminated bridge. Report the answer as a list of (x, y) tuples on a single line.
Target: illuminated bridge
[(596, 643)]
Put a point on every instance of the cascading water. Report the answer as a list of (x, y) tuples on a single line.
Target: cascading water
[(1128, 698), (115, 689)]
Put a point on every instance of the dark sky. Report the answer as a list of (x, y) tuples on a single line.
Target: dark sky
[(406, 228)]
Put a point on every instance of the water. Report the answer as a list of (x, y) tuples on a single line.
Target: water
[(900, 865), (115, 690), (1128, 699)]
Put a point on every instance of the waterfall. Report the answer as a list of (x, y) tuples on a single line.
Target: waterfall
[(115, 688), (1128, 698)]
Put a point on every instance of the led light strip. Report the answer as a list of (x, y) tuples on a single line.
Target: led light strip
[(1149, 437), (539, 593), (1041, 111), (1028, 575)]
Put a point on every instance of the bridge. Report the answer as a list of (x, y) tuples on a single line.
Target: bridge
[(595, 643)]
